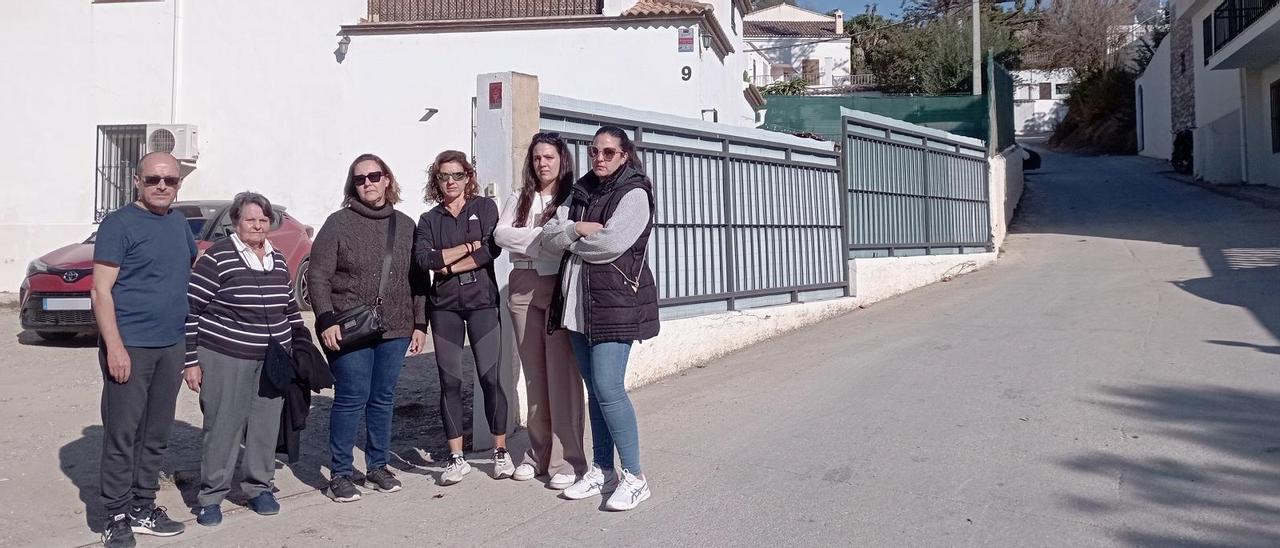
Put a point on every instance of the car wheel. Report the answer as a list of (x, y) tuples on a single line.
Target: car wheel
[(55, 336), (300, 291)]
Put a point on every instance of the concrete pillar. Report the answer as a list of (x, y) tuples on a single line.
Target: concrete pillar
[(507, 115)]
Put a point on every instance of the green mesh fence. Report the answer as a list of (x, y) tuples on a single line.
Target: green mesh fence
[(820, 115), (967, 115), (999, 87)]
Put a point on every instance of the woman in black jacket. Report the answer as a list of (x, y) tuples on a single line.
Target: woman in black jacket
[(607, 299), (454, 240)]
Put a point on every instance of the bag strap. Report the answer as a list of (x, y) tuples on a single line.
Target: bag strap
[(386, 258)]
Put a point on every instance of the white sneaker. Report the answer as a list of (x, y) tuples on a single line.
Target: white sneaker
[(561, 481), (593, 483), (455, 470), (502, 467), (632, 491), (524, 472)]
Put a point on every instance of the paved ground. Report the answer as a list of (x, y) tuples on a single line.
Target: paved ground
[(1112, 381)]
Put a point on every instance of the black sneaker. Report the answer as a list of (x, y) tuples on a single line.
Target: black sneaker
[(342, 490), (118, 533), (382, 480), (153, 520)]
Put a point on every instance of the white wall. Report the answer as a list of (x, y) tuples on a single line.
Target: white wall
[(1155, 121), (1217, 135), (1005, 180), (1032, 113), (278, 113), (50, 112), (833, 56)]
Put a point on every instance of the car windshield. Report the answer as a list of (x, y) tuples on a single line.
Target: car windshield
[(198, 215)]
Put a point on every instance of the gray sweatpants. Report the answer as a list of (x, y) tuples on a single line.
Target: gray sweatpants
[(234, 415), (137, 417)]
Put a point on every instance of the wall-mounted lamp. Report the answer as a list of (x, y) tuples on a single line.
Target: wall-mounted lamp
[(430, 112), (706, 40), (341, 53)]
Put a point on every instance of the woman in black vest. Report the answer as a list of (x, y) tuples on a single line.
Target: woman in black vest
[(607, 300)]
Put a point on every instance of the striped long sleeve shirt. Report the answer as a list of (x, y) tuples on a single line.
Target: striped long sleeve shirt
[(234, 309)]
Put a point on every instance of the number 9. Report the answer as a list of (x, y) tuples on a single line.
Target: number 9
[(686, 73)]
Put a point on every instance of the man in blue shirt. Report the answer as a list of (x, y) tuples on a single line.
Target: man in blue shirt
[(141, 266)]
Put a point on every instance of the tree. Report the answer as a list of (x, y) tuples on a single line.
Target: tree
[(867, 37), (932, 54), (1085, 35)]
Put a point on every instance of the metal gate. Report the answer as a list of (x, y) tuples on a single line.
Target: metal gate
[(913, 190)]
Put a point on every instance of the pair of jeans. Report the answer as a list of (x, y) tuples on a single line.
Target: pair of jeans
[(613, 419), (364, 384)]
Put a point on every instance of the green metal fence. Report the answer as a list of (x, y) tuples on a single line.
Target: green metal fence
[(913, 190)]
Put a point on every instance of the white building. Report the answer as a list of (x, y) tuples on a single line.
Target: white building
[(285, 93), (1219, 75), (786, 42), (1039, 99)]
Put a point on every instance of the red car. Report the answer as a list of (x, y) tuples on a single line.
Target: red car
[(55, 292)]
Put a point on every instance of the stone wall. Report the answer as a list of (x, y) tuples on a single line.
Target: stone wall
[(1182, 70)]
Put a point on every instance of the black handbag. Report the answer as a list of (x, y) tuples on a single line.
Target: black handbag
[(363, 323)]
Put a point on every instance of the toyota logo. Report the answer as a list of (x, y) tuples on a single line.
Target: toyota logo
[(70, 276)]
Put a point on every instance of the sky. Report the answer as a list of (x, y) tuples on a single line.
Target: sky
[(852, 7)]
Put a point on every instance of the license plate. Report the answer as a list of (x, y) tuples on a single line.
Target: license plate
[(74, 303)]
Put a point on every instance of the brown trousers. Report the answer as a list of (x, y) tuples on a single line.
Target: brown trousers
[(552, 379)]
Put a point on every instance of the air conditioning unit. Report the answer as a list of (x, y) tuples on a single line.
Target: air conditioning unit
[(180, 140)]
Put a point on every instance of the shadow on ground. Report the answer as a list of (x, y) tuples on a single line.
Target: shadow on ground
[(1234, 469), (1238, 429), (417, 433)]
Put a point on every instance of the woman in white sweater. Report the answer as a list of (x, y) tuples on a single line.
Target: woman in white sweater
[(552, 378)]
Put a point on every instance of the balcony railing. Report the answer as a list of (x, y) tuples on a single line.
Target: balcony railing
[(816, 79), (1232, 17), (452, 10)]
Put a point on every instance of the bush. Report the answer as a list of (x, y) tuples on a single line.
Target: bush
[(1100, 114), (791, 86)]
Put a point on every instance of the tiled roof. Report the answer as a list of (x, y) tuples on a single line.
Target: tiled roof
[(667, 7), (789, 28)]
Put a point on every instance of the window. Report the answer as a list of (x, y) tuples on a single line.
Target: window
[(119, 148), (1206, 34), (1275, 116), (811, 71), (1046, 90), (1063, 89)]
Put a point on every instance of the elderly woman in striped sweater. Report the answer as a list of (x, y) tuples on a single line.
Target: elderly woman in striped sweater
[(239, 299)]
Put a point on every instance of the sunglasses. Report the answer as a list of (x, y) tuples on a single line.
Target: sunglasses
[(606, 153), (153, 180), (456, 175), (372, 177)]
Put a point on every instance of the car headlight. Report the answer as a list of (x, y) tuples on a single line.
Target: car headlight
[(37, 267)]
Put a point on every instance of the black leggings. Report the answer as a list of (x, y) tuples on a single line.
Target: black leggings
[(483, 328)]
